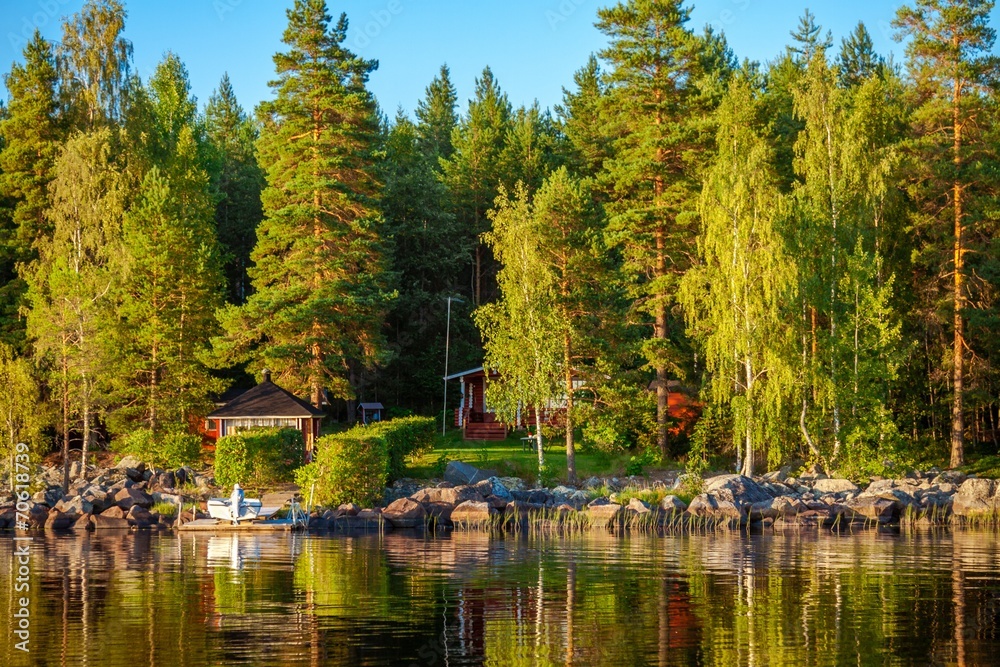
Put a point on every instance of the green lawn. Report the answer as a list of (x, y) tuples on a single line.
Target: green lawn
[(511, 458)]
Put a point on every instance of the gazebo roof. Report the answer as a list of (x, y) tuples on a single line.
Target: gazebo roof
[(371, 406), (266, 400)]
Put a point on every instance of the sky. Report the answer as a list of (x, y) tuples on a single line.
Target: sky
[(533, 46)]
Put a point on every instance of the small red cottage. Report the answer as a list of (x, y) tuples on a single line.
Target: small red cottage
[(266, 405), (479, 422)]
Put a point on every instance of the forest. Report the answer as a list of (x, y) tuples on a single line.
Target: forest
[(806, 245)]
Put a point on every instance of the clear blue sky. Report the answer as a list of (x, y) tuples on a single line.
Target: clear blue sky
[(533, 46)]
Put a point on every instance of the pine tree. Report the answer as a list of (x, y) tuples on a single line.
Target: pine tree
[(32, 132), (735, 299), (320, 296), (474, 171), (954, 73), (168, 289), (808, 40), (427, 265), (69, 285), (654, 112), (529, 153), (436, 115), (238, 180), (858, 60), (579, 120), (95, 63)]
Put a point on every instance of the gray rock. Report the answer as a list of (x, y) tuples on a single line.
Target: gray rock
[(139, 517), (452, 496), (472, 513), (712, 507), (458, 472), (347, 509), (128, 462), (57, 520), (736, 489), (499, 490), (75, 506), (593, 483), (126, 498), (673, 505), (104, 522), (834, 486), (405, 513), (874, 508), (83, 523), (636, 506), (604, 514), (975, 497), (512, 483)]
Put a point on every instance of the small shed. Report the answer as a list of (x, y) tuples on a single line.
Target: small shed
[(267, 405), (370, 412)]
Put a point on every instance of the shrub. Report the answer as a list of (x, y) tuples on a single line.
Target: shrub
[(259, 457), (355, 466), (165, 450), (404, 436), (350, 467)]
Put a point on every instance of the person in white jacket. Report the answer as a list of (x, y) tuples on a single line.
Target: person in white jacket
[(235, 501)]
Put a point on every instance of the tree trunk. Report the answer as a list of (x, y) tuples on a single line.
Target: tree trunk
[(570, 445), (86, 428), (65, 418), (660, 333), (748, 462), (958, 352), (538, 438)]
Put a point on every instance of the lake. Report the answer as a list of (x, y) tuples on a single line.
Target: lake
[(799, 598)]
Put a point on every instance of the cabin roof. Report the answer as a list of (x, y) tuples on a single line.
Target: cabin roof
[(371, 406), (471, 371), (266, 400)]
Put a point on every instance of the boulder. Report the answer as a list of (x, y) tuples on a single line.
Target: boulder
[(472, 513), (785, 506), (405, 513), (874, 508), (637, 507), (347, 509), (673, 505), (604, 514), (104, 522), (439, 513), (712, 507), (114, 513), (458, 472), (83, 523), (736, 489), (38, 514), (975, 497), (512, 483), (75, 506), (128, 462), (499, 490), (453, 495), (126, 498), (763, 510), (139, 517), (57, 520), (834, 486)]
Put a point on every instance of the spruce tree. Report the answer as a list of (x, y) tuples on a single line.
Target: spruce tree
[(238, 181), (167, 291), (579, 121), (32, 131), (808, 39), (473, 173), (436, 117), (858, 60), (654, 112), (319, 282), (953, 71)]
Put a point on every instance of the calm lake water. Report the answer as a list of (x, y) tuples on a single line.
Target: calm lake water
[(468, 599)]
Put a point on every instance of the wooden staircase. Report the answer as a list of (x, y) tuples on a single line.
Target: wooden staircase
[(493, 431)]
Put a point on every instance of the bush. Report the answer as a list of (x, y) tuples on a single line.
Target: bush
[(259, 457), (404, 436), (355, 466), (166, 450), (350, 467)]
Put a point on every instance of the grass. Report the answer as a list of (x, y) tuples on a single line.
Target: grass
[(510, 458), (165, 509), (986, 466)]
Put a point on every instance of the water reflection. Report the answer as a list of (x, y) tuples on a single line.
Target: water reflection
[(467, 599)]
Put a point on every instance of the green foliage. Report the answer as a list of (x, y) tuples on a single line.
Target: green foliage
[(350, 467), (638, 463), (319, 275), (403, 437), (164, 509), (259, 458), (21, 419), (171, 449)]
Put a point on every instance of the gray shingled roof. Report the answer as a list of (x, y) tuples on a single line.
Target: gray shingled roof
[(266, 400)]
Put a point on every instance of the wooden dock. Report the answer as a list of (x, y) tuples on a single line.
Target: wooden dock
[(220, 526)]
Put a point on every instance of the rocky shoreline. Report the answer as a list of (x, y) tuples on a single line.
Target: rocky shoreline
[(126, 497)]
